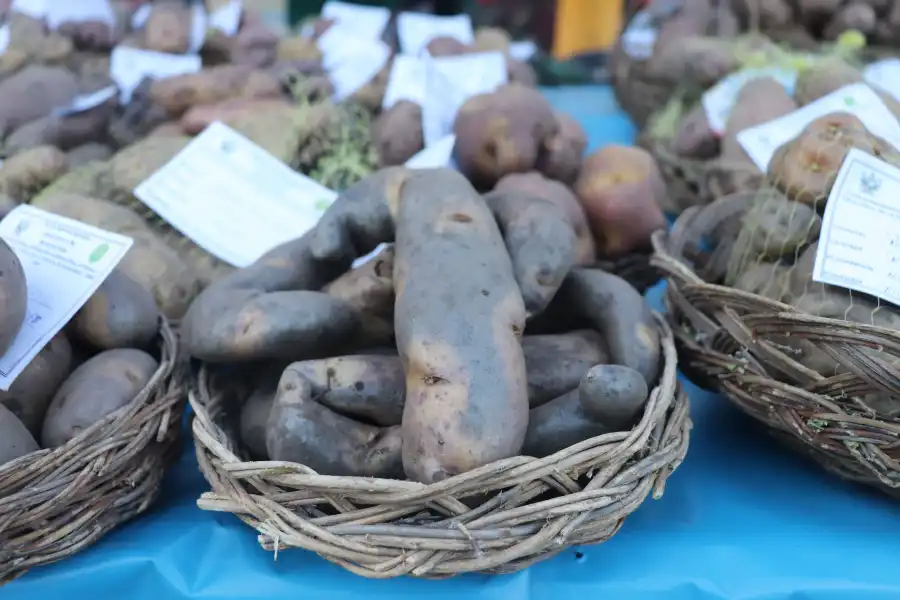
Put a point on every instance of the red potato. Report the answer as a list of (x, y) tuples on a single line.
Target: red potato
[(466, 386), (215, 84), (397, 133), (694, 137), (561, 156), (622, 191), (502, 132), (168, 28), (536, 184), (197, 118)]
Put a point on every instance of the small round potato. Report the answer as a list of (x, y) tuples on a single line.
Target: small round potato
[(120, 314), (96, 389)]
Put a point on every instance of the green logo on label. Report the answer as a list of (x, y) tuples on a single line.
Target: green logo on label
[(849, 101), (98, 253), (322, 204)]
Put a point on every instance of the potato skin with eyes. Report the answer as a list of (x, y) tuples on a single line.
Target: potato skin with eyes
[(466, 389), (13, 296)]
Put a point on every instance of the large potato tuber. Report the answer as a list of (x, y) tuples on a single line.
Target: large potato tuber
[(215, 84), (29, 171), (397, 134), (467, 398), (120, 314), (557, 362), (33, 92), (561, 156)]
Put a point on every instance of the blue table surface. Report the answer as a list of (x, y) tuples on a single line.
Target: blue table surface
[(742, 518)]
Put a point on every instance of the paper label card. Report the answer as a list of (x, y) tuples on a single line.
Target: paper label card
[(64, 261), (718, 100), (761, 142), (406, 81), (227, 19), (233, 198), (885, 74), (199, 25), (365, 21), (140, 16), (79, 11), (437, 155), (128, 67), (859, 245), (523, 50), (4, 37), (415, 30), (36, 9), (452, 80), (639, 38), (354, 71), (86, 102)]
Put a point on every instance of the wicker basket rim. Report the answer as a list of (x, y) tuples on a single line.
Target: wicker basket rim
[(665, 420)]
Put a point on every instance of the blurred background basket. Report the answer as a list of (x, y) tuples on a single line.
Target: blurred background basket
[(57, 502), (740, 344), (499, 518)]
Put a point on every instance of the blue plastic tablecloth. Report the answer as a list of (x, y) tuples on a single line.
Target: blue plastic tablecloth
[(742, 518)]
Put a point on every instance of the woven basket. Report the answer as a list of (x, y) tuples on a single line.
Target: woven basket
[(54, 503), (530, 509), (634, 268), (727, 341)]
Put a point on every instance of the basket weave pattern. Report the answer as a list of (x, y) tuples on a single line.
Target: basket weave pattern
[(728, 340), (525, 509), (56, 502)]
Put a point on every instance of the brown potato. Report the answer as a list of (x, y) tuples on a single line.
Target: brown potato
[(446, 45), (168, 28), (767, 279), (822, 78), (805, 168), (739, 171), (561, 156), (536, 184), (622, 191), (13, 296), (88, 153), (556, 362), (198, 118), (96, 389), (27, 172), (15, 441), (856, 16), (215, 84), (31, 392), (467, 397), (63, 132), (120, 314), (255, 45), (397, 133), (540, 241), (33, 92), (297, 48), (303, 431), (488, 39), (502, 132)]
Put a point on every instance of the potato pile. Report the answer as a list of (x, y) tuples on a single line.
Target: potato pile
[(96, 365), (474, 334), (764, 241)]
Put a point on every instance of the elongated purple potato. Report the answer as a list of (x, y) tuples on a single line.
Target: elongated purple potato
[(459, 318), (540, 242)]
